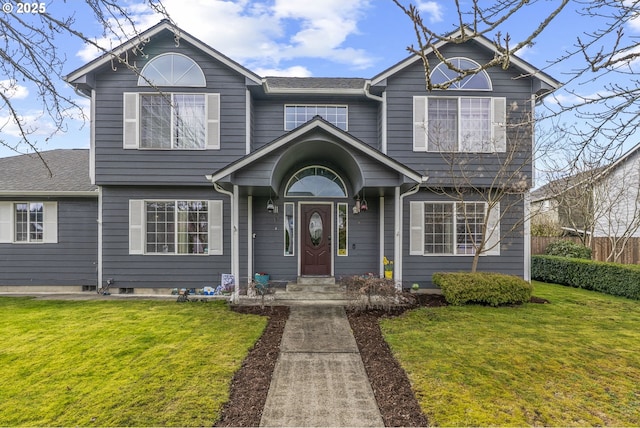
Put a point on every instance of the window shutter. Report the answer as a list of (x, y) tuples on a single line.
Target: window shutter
[(6, 222), (216, 234), (499, 124), (130, 133), (492, 243), (50, 223), (416, 234), (213, 121), (136, 226), (419, 124)]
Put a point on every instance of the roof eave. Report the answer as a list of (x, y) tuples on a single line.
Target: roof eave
[(147, 34)]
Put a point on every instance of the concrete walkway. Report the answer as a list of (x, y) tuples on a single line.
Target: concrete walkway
[(319, 378)]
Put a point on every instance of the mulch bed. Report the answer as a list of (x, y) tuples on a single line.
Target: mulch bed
[(396, 400)]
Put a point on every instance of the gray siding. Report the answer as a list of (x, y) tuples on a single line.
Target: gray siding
[(117, 166), (363, 242), (510, 261), (158, 271), (70, 262), (362, 117), (481, 168)]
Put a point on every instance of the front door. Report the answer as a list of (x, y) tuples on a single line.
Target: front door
[(315, 231)]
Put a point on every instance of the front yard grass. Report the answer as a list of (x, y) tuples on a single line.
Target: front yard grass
[(119, 363), (573, 362)]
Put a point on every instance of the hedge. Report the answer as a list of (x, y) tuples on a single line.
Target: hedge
[(482, 287), (609, 278)]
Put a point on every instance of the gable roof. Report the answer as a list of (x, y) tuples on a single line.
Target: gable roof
[(524, 66), (163, 25), (316, 123), (25, 175)]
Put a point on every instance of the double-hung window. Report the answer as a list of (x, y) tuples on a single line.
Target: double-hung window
[(459, 124), (175, 227), (453, 228), (28, 222), (171, 121)]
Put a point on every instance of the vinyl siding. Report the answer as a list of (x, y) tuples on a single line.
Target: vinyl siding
[(117, 166), (362, 117), (510, 261), (72, 261), (481, 168), (158, 270)]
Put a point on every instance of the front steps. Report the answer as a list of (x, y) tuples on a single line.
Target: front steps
[(307, 290), (313, 288)]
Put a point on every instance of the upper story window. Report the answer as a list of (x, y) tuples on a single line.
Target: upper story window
[(316, 181), (179, 121), (172, 69), (459, 124), (473, 82), (296, 115)]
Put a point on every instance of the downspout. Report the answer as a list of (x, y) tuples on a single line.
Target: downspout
[(399, 201), (383, 125), (234, 246)]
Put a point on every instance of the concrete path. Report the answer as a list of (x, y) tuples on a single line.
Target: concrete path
[(319, 378)]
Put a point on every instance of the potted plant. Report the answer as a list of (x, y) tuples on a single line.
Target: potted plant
[(388, 268)]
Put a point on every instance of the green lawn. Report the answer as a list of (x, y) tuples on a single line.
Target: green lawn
[(119, 363), (574, 362)]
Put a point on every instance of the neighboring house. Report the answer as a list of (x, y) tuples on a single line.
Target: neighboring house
[(225, 171), (601, 202), (48, 222)]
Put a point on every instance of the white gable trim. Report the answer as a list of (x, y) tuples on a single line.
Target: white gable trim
[(523, 65), (151, 32), (298, 132)]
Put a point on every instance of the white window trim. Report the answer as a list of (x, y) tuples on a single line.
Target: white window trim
[(497, 107), (201, 84), (417, 223), (131, 121), (49, 222), (483, 72), (345, 106), (346, 225), (284, 231), (138, 228)]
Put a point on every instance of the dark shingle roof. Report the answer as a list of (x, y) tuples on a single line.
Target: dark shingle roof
[(27, 173), (314, 83)]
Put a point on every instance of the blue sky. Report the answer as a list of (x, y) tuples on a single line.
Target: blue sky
[(321, 38)]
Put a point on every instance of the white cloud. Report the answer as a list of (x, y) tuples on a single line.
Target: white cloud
[(32, 123), (262, 35), (12, 90), (433, 9), (295, 71)]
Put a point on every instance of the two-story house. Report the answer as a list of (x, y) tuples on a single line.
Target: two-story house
[(205, 168)]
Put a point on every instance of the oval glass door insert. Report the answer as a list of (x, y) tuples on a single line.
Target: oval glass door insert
[(315, 229)]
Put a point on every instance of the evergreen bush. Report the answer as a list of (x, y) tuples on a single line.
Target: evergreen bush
[(482, 287), (568, 249), (610, 278)]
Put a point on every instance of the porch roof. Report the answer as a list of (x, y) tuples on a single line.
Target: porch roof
[(317, 140)]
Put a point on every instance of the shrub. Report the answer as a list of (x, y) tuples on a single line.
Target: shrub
[(370, 292), (609, 278), (568, 249), (481, 287)]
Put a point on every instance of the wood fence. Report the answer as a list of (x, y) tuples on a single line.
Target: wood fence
[(600, 247)]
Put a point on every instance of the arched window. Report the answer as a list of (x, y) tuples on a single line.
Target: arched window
[(315, 181), (172, 69), (472, 82)]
